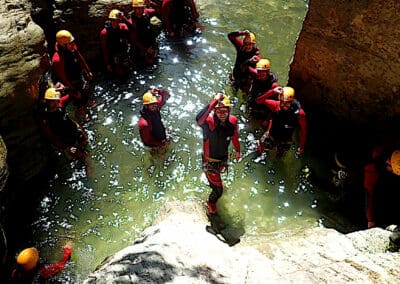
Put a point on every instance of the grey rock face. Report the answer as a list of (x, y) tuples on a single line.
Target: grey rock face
[(179, 250)]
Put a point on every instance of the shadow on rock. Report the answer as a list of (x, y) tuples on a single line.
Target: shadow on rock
[(223, 228)]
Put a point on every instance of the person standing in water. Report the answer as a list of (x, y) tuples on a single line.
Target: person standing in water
[(220, 128)]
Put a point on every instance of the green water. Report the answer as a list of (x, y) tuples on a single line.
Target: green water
[(107, 211)]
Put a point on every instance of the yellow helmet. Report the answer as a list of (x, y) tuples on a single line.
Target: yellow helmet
[(395, 161), (137, 3), (251, 38), (263, 64), (113, 14), (52, 94), (63, 37), (287, 94), (226, 102), (149, 98), (28, 258)]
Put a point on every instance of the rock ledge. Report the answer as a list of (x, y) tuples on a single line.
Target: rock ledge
[(177, 249)]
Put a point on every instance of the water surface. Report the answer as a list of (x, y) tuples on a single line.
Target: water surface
[(108, 210)]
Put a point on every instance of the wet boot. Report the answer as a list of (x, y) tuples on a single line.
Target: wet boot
[(212, 208), (395, 238)]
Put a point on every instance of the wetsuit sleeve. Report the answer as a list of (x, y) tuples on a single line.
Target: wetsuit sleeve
[(193, 8), (273, 105), (145, 134), (302, 128), (248, 61), (235, 137), (371, 176), (50, 270), (258, 53), (104, 47), (267, 95), (125, 30), (82, 60), (150, 12), (128, 23), (67, 254), (58, 67), (64, 100), (252, 71), (203, 114), (235, 40), (164, 96), (165, 12)]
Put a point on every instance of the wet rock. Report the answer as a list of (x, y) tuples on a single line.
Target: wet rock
[(22, 61), (178, 249), (346, 62)]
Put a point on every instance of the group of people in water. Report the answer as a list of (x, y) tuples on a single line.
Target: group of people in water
[(134, 38)]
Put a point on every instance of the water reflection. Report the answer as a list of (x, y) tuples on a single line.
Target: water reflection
[(127, 183)]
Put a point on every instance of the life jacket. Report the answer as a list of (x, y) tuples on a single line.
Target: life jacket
[(116, 39), (285, 122)]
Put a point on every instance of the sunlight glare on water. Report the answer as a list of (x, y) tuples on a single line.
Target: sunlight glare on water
[(127, 185)]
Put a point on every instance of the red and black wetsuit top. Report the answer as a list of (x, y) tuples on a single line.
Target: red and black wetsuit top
[(151, 128), (217, 136), (285, 122), (68, 66), (62, 131), (260, 87), (260, 91), (114, 42), (242, 62), (143, 28)]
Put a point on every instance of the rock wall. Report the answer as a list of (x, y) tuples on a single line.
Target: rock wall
[(179, 250), (81, 18), (346, 64), (22, 61), (3, 165)]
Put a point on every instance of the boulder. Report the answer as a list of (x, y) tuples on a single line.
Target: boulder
[(178, 249)]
